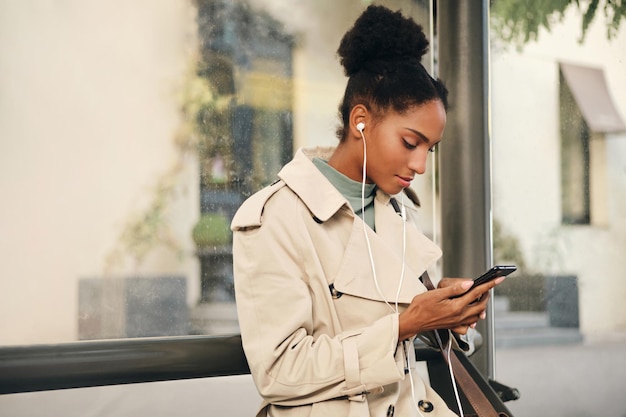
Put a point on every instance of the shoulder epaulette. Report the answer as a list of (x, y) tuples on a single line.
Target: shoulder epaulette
[(250, 214)]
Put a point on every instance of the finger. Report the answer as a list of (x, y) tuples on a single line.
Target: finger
[(448, 282), (464, 328), (476, 300), (458, 289), (490, 284), (482, 300), (476, 310), (486, 287), (460, 329), (495, 282)]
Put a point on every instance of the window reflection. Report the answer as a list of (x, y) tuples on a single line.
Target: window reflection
[(247, 59), (575, 138), (125, 155)]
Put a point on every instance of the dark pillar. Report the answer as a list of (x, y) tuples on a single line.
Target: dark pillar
[(463, 48)]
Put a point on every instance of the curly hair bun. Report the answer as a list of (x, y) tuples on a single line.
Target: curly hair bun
[(380, 34)]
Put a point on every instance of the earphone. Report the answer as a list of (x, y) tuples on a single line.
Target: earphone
[(360, 127)]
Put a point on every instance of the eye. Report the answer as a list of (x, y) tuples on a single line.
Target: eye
[(408, 144), (433, 148)]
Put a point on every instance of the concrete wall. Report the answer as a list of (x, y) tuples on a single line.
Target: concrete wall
[(88, 110)]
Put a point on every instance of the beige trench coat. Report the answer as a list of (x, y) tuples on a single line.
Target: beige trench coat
[(312, 354)]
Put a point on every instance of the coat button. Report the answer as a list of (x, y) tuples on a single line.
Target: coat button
[(391, 410), (426, 406), (333, 292)]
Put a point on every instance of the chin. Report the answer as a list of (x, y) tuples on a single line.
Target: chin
[(391, 190)]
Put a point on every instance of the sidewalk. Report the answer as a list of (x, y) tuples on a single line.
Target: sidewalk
[(576, 380)]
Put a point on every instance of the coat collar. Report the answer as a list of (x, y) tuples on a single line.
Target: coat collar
[(304, 179), (317, 193), (398, 274), (354, 275)]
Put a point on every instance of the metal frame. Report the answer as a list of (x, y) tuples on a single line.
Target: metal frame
[(114, 362)]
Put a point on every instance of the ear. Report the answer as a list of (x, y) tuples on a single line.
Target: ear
[(359, 114)]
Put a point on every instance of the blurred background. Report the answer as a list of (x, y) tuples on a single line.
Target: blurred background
[(130, 132)]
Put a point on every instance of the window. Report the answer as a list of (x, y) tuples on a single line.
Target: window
[(119, 185), (587, 114), (575, 139)]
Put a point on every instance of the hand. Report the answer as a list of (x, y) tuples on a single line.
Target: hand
[(437, 309), (463, 329)]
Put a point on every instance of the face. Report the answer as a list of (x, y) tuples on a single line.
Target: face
[(398, 145)]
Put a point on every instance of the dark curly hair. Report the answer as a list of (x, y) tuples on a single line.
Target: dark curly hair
[(381, 54)]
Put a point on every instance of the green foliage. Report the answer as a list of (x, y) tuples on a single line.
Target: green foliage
[(211, 230), (144, 231), (507, 248), (206, 123), (524, 289), (519, 21)]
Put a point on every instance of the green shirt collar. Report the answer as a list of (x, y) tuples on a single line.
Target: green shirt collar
[(350, 189)]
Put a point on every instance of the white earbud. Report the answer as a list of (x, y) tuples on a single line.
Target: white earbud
[(360, 126)]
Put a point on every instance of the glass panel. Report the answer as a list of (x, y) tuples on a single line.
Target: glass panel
[(559, 192), (129, 139)]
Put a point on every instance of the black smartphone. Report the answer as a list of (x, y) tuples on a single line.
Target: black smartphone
[(495, 272)]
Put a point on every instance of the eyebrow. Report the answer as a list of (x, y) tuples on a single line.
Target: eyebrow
[(420, 134)]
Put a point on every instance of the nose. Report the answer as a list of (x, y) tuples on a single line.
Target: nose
[(417, 161)]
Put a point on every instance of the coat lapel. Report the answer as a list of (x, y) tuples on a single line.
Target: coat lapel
[(355, 275)]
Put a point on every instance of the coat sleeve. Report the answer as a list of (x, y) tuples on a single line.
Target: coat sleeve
[(291, 367)]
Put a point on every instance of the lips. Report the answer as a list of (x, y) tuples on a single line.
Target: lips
[(404, 181)]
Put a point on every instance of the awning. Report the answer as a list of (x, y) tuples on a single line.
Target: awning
[(592, 95)]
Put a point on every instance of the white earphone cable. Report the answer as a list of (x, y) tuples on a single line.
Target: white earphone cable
[(402, 274), (415, 403), (367, 240), (448, 350), (403, 213)]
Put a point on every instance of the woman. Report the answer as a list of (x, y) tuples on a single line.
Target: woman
[(327, 271)]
